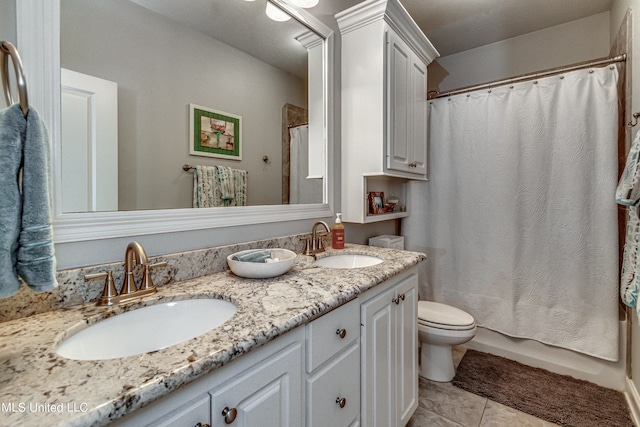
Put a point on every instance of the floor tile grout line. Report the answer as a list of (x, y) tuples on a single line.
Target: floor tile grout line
[(484, 409)]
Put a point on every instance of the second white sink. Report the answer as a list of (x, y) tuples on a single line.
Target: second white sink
[(348, 261), (147, 329)]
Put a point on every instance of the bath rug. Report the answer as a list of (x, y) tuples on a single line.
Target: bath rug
[(553, 397)]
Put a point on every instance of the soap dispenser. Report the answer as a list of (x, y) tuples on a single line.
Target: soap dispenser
[(337, 233)]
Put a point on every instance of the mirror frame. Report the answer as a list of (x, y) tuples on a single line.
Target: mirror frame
[(38, 36)]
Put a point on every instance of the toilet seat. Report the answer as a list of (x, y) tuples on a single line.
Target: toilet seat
[(442, 316)]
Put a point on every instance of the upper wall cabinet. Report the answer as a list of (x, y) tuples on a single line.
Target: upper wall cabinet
[(384, 105)]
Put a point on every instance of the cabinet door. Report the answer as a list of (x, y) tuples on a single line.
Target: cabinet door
[(378, 360), (407, 348), (266, 395), (418, 147), (333, 391), (398, 95)]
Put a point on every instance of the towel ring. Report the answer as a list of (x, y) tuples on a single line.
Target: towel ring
[(8, 49)]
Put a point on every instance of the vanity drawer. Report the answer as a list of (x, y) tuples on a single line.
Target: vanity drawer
[(329, 334), (333, 392)]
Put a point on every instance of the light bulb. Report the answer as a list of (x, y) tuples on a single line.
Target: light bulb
[(276, 14), (305, 3)]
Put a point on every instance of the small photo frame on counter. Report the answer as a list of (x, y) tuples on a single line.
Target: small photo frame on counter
[(376, 202)]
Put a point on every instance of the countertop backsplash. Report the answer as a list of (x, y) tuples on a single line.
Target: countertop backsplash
[(74, 290)]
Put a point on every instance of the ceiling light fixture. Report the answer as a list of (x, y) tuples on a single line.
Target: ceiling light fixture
[(276, 14), (305, 3)]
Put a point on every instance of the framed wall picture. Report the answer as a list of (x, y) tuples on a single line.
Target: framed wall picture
[(214, 133), (376, 202)]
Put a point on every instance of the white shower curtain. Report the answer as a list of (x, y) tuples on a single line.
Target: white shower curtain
[(301, 188), (518, 220)]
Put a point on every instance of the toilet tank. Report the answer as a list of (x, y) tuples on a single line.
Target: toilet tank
[(387, 241)]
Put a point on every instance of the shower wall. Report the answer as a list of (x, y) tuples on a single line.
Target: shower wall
[(577, 41)]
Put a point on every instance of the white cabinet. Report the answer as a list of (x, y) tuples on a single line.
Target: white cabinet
[(389, 364), (333, 364), (267, 394), (384, 104), (264, 388), (188, 414), (407, 111)]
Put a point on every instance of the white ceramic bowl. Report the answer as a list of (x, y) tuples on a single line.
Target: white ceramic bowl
[(261, 270)]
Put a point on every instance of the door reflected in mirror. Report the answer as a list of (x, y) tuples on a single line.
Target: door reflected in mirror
[(129, 74)]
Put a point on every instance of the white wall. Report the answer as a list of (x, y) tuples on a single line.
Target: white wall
[(161, 67), (577, 41)]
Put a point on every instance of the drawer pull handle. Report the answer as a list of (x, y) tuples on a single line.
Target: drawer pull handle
[(202, 425), (229, 415), (341, 333), (341, 401)]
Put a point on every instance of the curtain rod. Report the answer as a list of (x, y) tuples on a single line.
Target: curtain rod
[(531, 76)]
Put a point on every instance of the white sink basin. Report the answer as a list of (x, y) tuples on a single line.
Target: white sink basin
[(348, 261), (147, 329)]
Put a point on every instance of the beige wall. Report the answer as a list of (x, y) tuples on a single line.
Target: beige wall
[(8, 20), (577, 41)]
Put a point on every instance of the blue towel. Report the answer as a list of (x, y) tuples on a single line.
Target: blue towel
[(628, 194), (26, 244), (258, 255)]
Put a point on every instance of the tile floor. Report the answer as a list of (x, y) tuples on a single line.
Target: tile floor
[(444, 405)]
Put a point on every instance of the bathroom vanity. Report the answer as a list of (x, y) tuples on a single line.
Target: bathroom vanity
[(316, 346)]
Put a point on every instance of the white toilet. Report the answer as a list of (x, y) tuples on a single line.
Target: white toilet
[(439, 327)]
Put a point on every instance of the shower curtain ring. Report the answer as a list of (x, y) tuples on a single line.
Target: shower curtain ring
[(635, 121)]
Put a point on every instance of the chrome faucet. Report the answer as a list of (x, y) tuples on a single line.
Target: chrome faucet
[(316, 245), (135, 254)]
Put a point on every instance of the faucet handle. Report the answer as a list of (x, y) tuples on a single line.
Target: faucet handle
[(109, 292), (147, 283), (307, 246), (319, 245)]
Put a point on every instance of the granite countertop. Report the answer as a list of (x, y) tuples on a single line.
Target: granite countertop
[(38, 387)]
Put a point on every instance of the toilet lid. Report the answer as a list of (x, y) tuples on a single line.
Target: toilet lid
[(443, 316)]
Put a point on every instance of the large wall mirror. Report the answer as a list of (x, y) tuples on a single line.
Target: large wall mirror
[(151, 89)]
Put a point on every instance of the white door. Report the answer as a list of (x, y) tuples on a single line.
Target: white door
[(418, 144), (407, 348), (378, 361), (266, 395), (89, 153), (398, 89)]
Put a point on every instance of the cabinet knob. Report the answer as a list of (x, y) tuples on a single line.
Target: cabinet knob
[(341, 333), (413, 164), (402, 297), (229, 414), (341, 401), (396, 300), (202, 425)]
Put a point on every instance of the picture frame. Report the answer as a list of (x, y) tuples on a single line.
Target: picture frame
[(376, 202), (214, 133)]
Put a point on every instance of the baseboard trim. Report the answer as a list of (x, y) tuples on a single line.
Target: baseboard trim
[(633, 400)]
